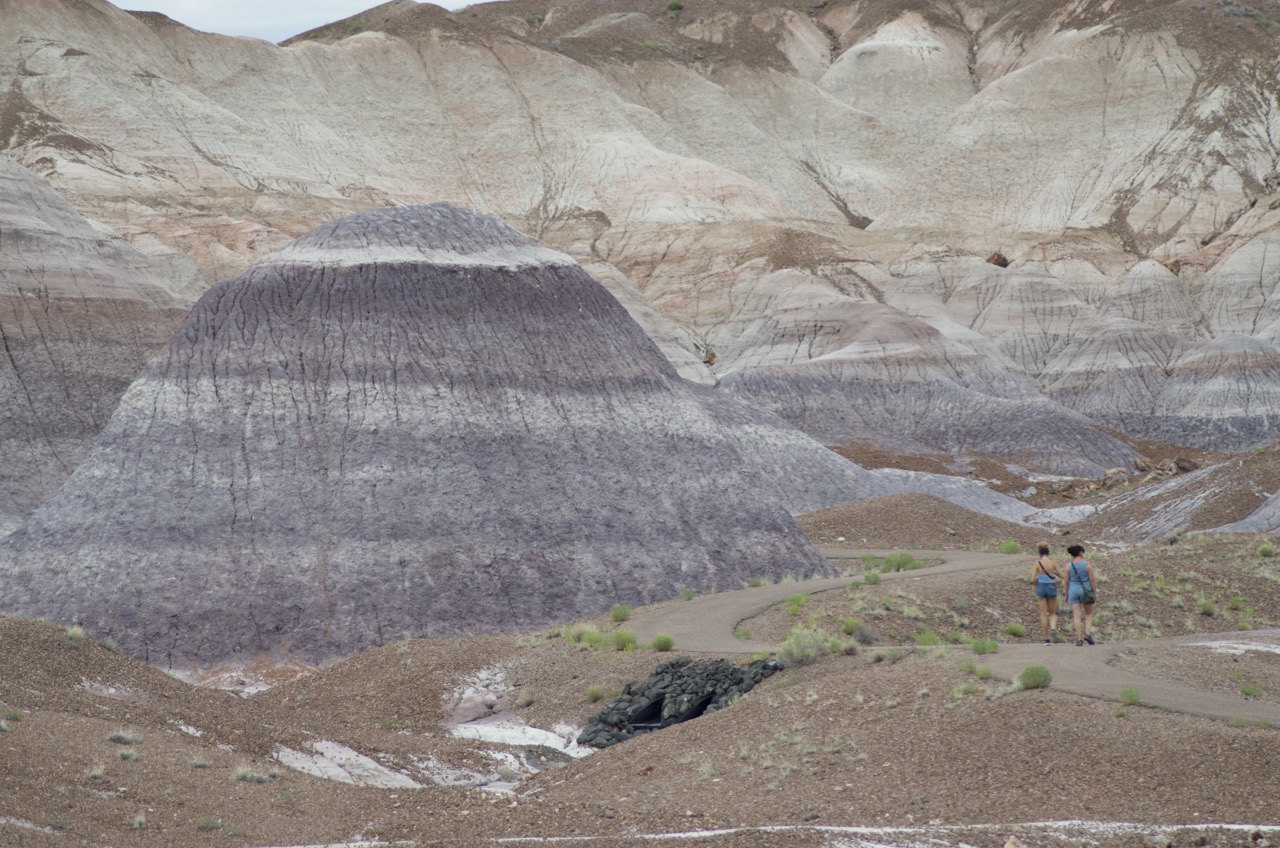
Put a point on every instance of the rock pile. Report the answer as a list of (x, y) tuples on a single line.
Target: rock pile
[(676, 691)]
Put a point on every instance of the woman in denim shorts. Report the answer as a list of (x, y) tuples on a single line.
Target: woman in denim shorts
[(1045, 575)]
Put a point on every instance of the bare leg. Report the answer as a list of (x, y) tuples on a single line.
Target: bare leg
[(1075, 617), (1053, 614), (1088, 619), (1044, 617)]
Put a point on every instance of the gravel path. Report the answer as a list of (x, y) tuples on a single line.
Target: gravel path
[(706, 625)]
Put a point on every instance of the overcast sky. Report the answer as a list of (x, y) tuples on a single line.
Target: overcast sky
[(274, 20)]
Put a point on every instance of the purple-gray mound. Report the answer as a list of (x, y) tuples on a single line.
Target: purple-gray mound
[(409, 422)]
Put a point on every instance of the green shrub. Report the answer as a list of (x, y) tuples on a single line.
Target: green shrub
[(795, 603), (983, 672), (595, 692), (1266, 549), (1251, 690), (123, 737), (593, 638), (1008, 546), (199, 762), (1129, 696), (1235, 602), (849, 626), (12, 715), (663, 642), (927, 639), (687, 594), (901, 561), (802, 646), (675, 6), (75, 636), (1015, 630), (623, 640), (1034, 677), (871, 578), (128, 754), (755, 582), (139, 821), (208, 822), (985, 646), (1206, 606), (620, 612)]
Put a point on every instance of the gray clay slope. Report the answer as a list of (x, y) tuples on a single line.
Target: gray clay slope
[(409, 422), (81, 312)]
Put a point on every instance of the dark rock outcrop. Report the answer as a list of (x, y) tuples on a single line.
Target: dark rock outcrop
[(677, 691), (81, 311), (410, 422)]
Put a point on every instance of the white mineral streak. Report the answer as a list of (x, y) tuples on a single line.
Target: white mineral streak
[(334, 761), (512, 256)]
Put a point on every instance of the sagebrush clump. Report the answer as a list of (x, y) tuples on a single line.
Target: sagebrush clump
[(803, 645)]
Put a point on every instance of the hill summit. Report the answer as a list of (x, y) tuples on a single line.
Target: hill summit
[(409, 422)]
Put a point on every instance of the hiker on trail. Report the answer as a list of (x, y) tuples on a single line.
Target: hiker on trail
[(1081, 594), (1045, 575)]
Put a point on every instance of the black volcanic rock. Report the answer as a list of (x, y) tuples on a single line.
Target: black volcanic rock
[(410, 422)]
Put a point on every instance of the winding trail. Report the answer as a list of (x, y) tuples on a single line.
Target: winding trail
[(705, 625)]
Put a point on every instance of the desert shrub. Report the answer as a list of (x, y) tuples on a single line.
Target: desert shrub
[(208, 822), (246, 774), (595, 692), (1250, 690), (985, 646), (12, 715), (1206, 606), (123, 737), (620, 612), (982, 672), (928, 639), (128, 755), (1235, 602), (593, 638), (1009, 546), (849, 626), (1015, 630), (795, 603), (802, 646), (675, 6), (199, 762), (687, 594), (901, 561), (623, 640), (1129, 696), (755, 583), (75, 636), (663, 642), (1266, 549), (139, 821), (4, 727), (872, 578), (1034, 677)]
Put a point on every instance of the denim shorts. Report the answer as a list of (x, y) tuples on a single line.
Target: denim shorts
[(1046, 589)]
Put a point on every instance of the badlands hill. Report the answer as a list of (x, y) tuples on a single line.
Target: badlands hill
[(410, 422), (797, 200)]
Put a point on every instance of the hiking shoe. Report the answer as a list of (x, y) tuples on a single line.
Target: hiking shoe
[(1045, 642), (1079, 643), (1088, 638)]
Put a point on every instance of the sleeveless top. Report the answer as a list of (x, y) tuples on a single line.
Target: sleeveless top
[(1041, 577), (1081, 575)]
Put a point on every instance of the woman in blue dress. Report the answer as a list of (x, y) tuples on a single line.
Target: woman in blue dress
[(1045, 574), (1081, 594)]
